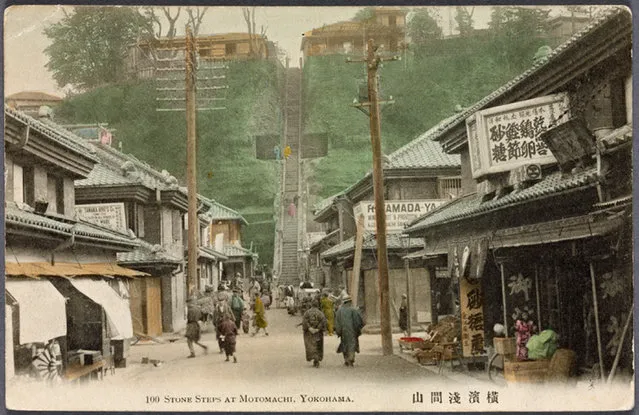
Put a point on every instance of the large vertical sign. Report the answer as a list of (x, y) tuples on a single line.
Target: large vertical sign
[(505, 137), (472, 317)]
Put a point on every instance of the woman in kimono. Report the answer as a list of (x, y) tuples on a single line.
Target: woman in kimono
[(259, 315), (314, 325)]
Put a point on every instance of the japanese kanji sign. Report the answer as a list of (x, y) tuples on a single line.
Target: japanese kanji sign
[(472, 317), (505, 137)]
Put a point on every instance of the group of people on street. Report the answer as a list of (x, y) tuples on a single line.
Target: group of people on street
[(348, 324), (228, 317)]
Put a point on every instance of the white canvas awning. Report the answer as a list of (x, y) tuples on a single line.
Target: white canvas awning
[(116, 309), (42, 308)]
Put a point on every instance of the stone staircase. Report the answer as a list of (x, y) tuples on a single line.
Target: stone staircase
[(289, 273)]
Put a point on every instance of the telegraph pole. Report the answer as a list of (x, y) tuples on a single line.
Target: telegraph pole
[(191, 157), (372, 61)]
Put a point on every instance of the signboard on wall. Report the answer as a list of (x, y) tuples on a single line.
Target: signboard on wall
[(472, 317), (398, 212), (108, 215), (505, 137)]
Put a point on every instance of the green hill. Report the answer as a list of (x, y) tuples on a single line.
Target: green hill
[(426, 85), (227, 168)]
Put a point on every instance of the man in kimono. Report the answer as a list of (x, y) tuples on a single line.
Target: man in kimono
[(193, 316), (348, 326), (314, 325)]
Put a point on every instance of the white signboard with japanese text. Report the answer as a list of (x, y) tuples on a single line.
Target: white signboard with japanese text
[(505, 137), (108, 215), (398, 212)]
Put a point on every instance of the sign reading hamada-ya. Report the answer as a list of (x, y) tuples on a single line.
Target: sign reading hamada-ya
[(505, 137), (108, 215), (398, 212)]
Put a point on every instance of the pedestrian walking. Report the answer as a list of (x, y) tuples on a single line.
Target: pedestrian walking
[(314, 325), (193, 316), (237, 306), (222, 309), (328, 308), (292, 210), (287, 152), (348, 326), (403, 315), (259, 316), (228, 334)]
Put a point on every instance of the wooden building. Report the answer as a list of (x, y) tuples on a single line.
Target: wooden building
[(418, 177), (143, 58), (225, 232), (56, 266), (152, 205), (387, 25), (30, 102), (543, 230)]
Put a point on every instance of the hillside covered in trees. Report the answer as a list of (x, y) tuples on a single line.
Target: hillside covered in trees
[(435, 76), (228, 171)]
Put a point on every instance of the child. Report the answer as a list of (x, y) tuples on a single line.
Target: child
[(228, 334), (245, 321)]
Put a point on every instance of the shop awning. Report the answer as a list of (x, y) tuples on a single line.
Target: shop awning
[(117, 309), (579, 227), (64, 269), (42, 310)]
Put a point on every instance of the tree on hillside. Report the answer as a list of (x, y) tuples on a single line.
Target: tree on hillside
[(364, 14), (423, 27), (517, 33), (256, 45), (464, 19), (89, 45)]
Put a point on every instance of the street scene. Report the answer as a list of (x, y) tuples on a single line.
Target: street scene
[(374, 208)]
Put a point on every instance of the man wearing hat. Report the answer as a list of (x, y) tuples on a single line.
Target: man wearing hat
[(348, 326)]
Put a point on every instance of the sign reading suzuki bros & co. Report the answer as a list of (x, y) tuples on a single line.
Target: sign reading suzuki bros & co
[(505, 137), (398, 212)]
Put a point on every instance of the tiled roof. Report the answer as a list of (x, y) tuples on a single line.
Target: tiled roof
[(130, 170), (212, 253), (25, 216), (147, 253), (541, 63), (424, 152), (393, 241), (472, 205), (325, 203), (55, 132), (33, 96), (102, 175), (218, 211), (236, 250)]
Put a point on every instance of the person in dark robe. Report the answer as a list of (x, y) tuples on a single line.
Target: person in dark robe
[(348, 327), (228, 334), (237, 306), (222, 308), (403, 314), (193, 316), (314, 326)]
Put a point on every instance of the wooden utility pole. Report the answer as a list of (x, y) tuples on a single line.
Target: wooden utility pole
[(191, 157), (372, 61), (357, 260)]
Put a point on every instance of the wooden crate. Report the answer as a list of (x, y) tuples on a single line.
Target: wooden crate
[(505, 345), (528, 371)]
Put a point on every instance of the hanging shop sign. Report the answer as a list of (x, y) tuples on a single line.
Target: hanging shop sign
[(398, 212), (467, 259), (505, 137), (108, 215), (472, 317)]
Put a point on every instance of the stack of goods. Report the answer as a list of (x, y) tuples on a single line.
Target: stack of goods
[(206, 304), (445, 332)]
